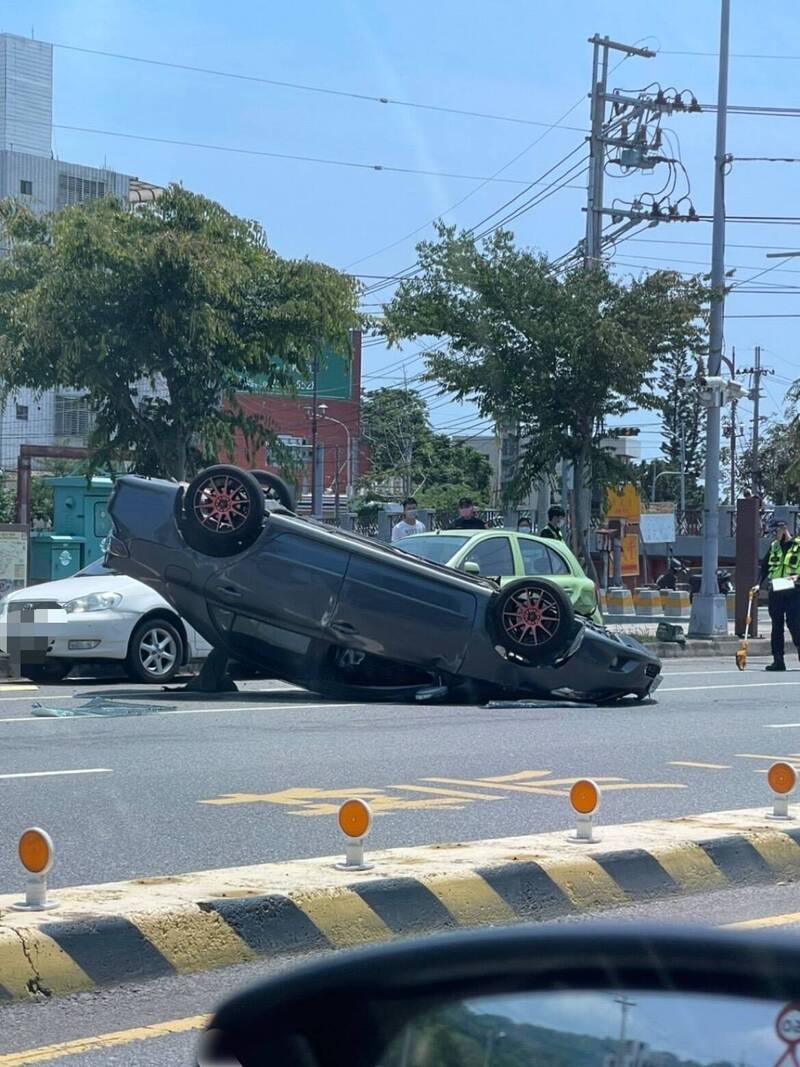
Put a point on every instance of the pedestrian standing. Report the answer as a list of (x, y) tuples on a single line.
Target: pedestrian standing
[(524, 526), (781, 566), (555, 520), (467, 518), (409, 523)]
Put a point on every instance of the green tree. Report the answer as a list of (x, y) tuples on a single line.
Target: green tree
[(682, 412), (554, 355), (778, 461), (161, 314), (434, 468)]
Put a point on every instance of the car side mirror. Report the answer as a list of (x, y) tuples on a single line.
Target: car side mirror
[(470, 567), (520, 995)]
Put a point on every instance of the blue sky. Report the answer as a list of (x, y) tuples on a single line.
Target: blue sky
[(512, 58)]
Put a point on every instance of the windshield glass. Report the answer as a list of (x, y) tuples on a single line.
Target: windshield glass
[(434, 549)]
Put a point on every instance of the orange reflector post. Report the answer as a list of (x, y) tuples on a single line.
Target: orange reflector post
[(35, 851), (584, 796), (355, 818), (782, 778)]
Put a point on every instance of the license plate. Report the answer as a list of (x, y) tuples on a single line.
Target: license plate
[(656, 683)]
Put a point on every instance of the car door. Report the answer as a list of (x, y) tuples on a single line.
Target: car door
[(543, 561), (395, 607), (291, 580)]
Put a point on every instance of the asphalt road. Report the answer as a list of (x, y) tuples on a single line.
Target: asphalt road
[(187, 785), (286, 759)]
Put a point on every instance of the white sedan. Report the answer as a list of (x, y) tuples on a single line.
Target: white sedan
[(96, 615)]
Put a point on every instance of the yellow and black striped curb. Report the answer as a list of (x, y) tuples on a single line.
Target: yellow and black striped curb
[(83, 950)]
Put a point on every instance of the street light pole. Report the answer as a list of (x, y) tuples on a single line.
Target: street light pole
[(709, 615), (322, 411)]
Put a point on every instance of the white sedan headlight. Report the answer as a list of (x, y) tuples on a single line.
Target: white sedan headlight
[(93, 602)]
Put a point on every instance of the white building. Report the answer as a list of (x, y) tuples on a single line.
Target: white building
[(31, 174)]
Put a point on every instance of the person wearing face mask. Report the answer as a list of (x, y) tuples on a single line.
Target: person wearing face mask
[(409, 523), (524, 526), (782, 562), (555, 520), (467, 519)]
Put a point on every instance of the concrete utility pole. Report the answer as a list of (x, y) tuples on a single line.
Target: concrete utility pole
[(316, 501), (757, 371), (709, 615)]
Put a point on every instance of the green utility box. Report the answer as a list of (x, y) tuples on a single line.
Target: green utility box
[(80, 524)]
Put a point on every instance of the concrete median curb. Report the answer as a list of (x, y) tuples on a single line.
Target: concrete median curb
[(130, 931)]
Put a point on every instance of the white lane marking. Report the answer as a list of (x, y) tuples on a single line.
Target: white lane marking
[(680, 674), (741, 685), (177, 711), (780, 725), (52, 774)]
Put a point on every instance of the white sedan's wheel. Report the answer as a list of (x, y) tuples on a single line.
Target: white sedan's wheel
[(155, 651)]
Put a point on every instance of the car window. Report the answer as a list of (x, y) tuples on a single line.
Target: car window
[(535, 557), (493, 556), (558, 564), (434, 549)]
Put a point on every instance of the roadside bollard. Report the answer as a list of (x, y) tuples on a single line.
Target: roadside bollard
[(584, 796), (36, 853), (355, 820), (781, 778)]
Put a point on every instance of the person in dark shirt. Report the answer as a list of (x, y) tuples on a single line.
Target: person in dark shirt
[(467, 519), (555, 520)]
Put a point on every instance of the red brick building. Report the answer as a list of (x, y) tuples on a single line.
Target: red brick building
[(339, 391)]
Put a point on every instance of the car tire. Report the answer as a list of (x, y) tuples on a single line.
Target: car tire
[(275, 489), (155, 652), (223, 511), (532, 619), (45, 673)]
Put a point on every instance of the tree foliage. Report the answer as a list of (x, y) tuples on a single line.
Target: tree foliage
[(555, 355), (161, 315), (434, 468)]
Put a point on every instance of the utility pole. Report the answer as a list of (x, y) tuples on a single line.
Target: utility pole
[(734, 404), (756, 427), (625, 1006), (757, 371), (682, 429), (709, 615), (316, 503)]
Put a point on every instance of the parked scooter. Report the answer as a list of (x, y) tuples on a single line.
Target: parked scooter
[(676, 570)]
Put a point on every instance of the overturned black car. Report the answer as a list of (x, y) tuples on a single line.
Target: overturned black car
[(352, 618)]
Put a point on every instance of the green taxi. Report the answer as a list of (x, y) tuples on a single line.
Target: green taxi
[(506, 555)]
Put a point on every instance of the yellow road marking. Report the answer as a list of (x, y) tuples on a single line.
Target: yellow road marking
[(704, 766), (506, 785), (192, 939), (469, 898), (342, 917), (645, 785), (102, 1041), (584, 882), (383, 805), (689, 866), (749, 924), (40, 955), (447, 792), (18, 688)]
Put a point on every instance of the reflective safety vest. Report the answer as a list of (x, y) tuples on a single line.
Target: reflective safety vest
[(780, 565)]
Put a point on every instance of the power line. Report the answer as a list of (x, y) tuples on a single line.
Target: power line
[(733, 55), (365, 97), (286, 155)]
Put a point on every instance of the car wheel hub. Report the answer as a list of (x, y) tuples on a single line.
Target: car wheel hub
[(221, 504), (531, 619), (158, 652)]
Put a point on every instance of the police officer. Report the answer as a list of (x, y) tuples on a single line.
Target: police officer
[(555, 520), (783, 561), (467, 517)]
